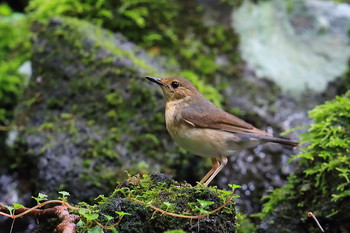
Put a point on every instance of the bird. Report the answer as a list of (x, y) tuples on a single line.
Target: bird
[(202, 128)]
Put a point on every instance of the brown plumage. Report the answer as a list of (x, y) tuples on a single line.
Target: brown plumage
[(202, 128)]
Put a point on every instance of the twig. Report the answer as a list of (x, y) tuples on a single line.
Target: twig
[(67, 220), (110, 226), (180, 215), (311, 215), (24, 211)]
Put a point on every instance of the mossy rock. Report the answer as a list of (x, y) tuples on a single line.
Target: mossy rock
[(164, 193), (88, 114), (155, 203), (321, 182)]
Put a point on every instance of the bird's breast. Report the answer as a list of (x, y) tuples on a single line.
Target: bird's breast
[(173, 115), (199, 141), (204, 142)]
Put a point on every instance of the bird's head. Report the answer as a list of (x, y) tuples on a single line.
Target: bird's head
[(176, 88)]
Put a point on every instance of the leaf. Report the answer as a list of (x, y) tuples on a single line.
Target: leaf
[(168, 204), (205, 203), (121, 214), (64, 193), (95, 229), (108, 217), (90, 217), (16, 206), (10, 208), (41, 197), (234, 186)]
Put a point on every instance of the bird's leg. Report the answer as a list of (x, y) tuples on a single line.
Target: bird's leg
[(217, 170), (215, 164)]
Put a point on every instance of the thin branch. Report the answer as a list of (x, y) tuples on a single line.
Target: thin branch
[(67, 220), (311, 215), (109, 226), (180, 215), (31, 211)]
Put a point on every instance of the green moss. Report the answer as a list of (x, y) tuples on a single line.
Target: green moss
[(321, 182), (176, 30), (160, 191), (14, 47), (244, 225)]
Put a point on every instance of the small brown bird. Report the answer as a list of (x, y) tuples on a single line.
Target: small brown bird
[(202, 128)]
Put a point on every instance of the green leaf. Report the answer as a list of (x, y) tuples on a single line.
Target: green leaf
[(64, 193), (95, 229), (108, 217), (113, 230), (205, 203), (234, 186), (90, 217), (16, 206), (41, 197), (121, 214), (10, 208)]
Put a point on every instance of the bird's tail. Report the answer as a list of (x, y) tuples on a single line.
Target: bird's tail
[(279, 140)]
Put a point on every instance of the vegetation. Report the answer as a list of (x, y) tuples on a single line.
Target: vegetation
[(322, 180), (84, 107), (174, 29), (126, 18), (152, 203), (15, 48)]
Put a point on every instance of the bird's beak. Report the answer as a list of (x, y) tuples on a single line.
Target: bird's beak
[(155, 80)]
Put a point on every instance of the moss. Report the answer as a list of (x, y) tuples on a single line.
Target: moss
[(15, 50), (244, 224), (176, 30), (14, 47), (160, 191), (321, 182)]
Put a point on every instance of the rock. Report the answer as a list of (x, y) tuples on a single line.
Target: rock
[(180, 198), (320, 184), (300, 45), (148, 204), (88, 114)]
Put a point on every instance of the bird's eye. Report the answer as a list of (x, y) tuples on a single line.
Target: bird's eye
[(175, 84)]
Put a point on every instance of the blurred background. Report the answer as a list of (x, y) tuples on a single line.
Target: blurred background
[(76, 112)]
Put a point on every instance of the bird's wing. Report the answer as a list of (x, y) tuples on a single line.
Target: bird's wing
[(207, 115)]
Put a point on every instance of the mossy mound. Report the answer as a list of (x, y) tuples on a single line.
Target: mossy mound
[(321, 183), (159, 191)]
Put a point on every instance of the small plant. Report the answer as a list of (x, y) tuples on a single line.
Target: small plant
[(41, 197), (202, 205)]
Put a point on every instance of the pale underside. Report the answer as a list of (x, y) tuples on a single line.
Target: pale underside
[(208, 131), (212, 143)]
